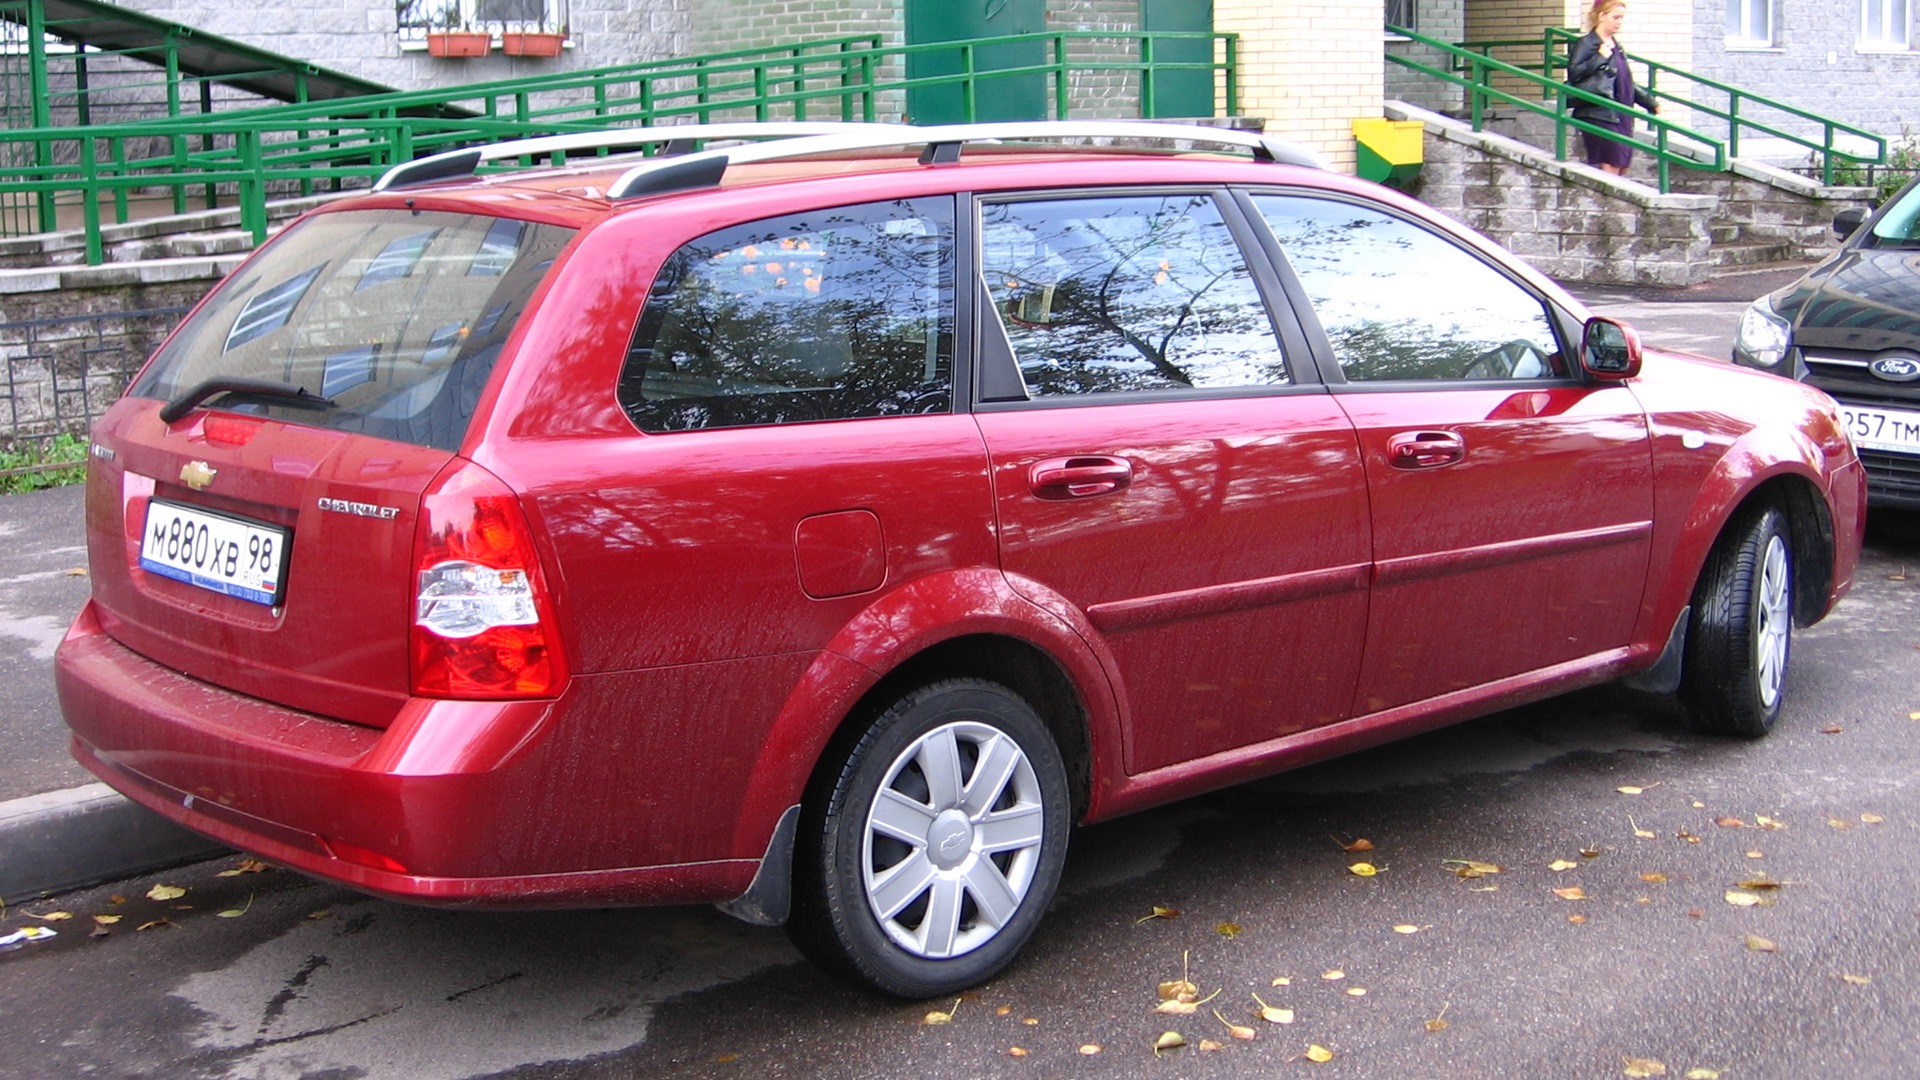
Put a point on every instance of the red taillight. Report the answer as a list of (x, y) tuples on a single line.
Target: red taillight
[(483, 622), (230, 431)]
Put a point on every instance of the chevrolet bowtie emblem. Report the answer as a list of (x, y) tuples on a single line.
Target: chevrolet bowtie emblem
[(197, 475)]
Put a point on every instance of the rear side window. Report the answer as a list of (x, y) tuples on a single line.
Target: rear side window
[(1131, 293), (833, 314), (396, 317)]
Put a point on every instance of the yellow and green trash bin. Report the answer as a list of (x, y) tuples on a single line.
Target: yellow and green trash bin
[(1390, 151)]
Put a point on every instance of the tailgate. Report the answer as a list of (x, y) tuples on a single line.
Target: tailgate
[(267, 557)]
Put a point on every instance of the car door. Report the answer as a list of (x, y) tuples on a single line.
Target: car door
[(1511, 501), (1160, 466)]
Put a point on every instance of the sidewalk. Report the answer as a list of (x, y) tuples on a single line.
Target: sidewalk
[(60, 830)]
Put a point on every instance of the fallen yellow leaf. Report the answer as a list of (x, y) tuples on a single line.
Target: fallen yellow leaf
[(1630, 789), (937, 1017), (1471, 868), (1090, 1049), (1333, 974), (1004, 1010), (1573, 892), (1361, 869), (1168, 1040), (1857, 980), (1577, 920), (52, 916), (1641, 1067), (1703, 1074), (1637, 830), (1178, 990), (1653, 878), (1766, 822), (1727, 822), (1209, 1046), (165, 892), (1228, 929), (1319, 1053), (1838, 824), (1356, 991), (1031, 1021), (1407, 928), (1271, 1014), (1871, 819), (1281, 980), (1741, 899), (1760, 944), (1238, 1031), (107, 920), (1832, 729), (1559, 865), (1016, 1051), (1158, 913)]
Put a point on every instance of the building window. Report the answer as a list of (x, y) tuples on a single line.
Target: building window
[(1750, 23), (416, 17), (1400, 13), (1885, 24)]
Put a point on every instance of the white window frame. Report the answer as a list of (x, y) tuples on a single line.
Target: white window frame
[(416, 17), (1750, 24), (1886, 25)]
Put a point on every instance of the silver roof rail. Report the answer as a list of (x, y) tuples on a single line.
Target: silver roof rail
[(941, 143), (464, 162)]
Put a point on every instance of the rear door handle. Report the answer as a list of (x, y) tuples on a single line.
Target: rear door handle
[(1425, 449), (1079, 477)]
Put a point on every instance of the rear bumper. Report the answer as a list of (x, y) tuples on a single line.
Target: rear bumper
[(455, 802)]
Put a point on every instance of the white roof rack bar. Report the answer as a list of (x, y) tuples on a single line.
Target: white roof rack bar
[(456, 163), (877, 136)]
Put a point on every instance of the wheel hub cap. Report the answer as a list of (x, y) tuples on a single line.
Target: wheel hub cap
[(951, 840)]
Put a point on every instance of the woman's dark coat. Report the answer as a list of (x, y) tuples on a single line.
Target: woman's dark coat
[(1588, 70)]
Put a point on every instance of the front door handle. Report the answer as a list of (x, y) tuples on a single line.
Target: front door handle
[(1425, 449), (1079, 477)]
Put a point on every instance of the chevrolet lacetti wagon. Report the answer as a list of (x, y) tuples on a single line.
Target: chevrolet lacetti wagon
[(819, 522)]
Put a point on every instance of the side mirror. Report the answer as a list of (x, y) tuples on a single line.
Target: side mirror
[(1610, 350), (1848, 221)]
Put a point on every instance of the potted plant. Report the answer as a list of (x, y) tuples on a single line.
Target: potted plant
[(449, 34), (532, 39)]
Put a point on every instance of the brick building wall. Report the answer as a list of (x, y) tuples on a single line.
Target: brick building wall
[(1309, 67), (1442, 19), (1816, 63)]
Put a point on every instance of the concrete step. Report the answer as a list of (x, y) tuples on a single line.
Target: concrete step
[(1755, 253)]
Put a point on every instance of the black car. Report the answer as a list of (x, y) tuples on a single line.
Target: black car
[(1851, 327)]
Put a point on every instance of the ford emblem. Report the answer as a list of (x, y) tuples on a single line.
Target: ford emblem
[(1896, 368)]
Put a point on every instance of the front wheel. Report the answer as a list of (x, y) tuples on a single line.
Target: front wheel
[(936, 846), (1735, 671)]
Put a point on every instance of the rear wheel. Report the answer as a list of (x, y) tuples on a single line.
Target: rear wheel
[(1741, 636), (937, 844)]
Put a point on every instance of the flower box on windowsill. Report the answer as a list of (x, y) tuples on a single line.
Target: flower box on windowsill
[(531, 43), (459, 43)]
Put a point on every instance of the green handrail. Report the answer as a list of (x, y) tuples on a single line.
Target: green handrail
[(249, 155), (1482, 68), (1661, 77)]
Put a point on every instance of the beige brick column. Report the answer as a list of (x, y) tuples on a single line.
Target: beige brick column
[(1309, 68)]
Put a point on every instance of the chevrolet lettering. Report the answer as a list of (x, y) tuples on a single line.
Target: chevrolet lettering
[(360, 509)]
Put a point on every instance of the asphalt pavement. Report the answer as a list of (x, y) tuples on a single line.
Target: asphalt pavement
[(61, 830)]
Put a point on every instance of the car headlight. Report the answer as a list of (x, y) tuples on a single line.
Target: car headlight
[(1763, 337)]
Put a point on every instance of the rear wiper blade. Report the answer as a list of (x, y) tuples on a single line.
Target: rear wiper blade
[(265, 391)]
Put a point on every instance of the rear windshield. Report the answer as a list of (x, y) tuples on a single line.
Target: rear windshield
[(395, 316)]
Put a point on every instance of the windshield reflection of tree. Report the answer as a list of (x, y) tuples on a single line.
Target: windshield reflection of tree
[(829, 319), (1135, 294), (1447, 309)]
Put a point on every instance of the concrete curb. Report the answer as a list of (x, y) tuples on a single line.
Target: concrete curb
[(83, 836)]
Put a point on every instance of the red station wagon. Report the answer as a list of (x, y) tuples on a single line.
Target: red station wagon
[(821, 524)]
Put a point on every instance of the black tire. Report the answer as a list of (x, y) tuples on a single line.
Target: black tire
[(947, 909), (1741, 636)]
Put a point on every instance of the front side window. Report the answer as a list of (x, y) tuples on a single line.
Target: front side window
[(834, 314), (1136, 293), (1749, 23), (1399, 302), (1885, 24), (396, 317)]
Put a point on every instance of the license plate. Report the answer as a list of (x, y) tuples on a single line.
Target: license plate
[(221, 552), (1883, 429)]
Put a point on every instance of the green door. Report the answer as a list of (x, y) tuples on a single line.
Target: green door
[(1001, 97), (1180, 93)]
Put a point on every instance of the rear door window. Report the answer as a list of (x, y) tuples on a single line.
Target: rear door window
[(835, 314), (394, 316)]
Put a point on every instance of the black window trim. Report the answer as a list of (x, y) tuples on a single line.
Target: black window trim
[(1561, 322), (992, 363)]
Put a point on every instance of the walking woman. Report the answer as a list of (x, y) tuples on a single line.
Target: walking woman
[(1598, 65)]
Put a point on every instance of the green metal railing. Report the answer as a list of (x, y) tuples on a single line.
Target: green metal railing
[(1550, 98), (244, 156), (1733, 107)]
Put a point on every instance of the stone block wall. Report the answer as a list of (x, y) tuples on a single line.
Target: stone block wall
[(1569, 221), (1763, 203), (71, 339)]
